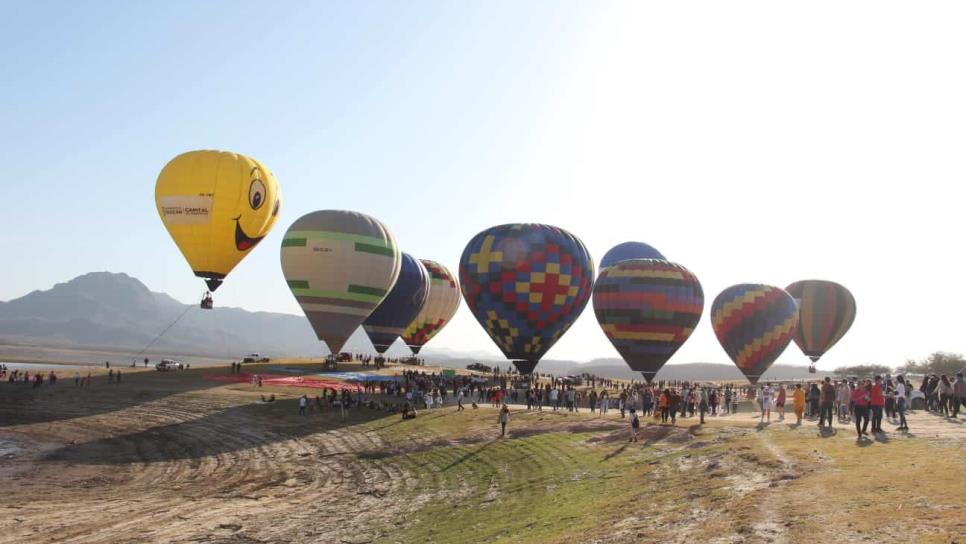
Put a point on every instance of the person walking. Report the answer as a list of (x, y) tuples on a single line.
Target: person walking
[(459, 400), (504, 419), (635, 425), (861, 399), (303, 403)]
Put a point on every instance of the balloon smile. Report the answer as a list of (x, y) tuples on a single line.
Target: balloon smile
[(243, 242)]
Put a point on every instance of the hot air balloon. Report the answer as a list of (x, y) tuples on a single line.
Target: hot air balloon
[(826, 310), (216, 206), (401, 305), (627, 251), (441, 305), (754, 324), (526, 284), (340, 265), (647, 308)]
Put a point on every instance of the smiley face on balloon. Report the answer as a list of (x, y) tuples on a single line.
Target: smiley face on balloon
[(217, 206)]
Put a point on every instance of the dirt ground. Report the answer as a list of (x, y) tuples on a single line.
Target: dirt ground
[(175, 457)]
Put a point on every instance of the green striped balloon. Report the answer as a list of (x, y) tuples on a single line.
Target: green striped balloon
[(339, 265)]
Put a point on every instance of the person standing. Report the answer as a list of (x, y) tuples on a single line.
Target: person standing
[(798, 399), (767, 399), (303, 403), (779, 402), (901, 402), (844, 396), (504, 419), (703, 403), (959, 393), (827, 402), (877, 403)]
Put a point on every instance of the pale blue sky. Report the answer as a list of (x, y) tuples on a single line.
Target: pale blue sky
[(750, 142)]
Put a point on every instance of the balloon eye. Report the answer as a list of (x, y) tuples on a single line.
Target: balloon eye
[(256, 194), (278, 204)]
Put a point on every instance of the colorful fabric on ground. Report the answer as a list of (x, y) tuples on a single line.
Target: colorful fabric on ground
[(826, 310), (284, 381), (627, 251), (400, 307), (440, 307), (340, 265), (754, 324), (526, 284), (647, 308)]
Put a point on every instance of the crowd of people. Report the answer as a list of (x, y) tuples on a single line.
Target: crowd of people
[(864, 402)]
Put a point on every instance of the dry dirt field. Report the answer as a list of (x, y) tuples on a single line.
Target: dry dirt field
[(176, 457)]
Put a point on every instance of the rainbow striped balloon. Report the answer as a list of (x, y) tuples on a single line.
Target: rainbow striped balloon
[(647, 308), (754, 324), (826, 310)]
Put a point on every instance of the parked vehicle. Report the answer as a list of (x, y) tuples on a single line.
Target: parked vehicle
[(255, 358), (168, 364)]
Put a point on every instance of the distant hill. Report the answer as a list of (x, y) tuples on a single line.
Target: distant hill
[(109, 311), (103, 310)]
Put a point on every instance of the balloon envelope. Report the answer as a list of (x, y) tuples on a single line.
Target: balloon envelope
[(441, 305), (627, 251), (217, 206), (647, 308), (526, 284), (826, 310), (340, 265), (754, 324), (401, 305)]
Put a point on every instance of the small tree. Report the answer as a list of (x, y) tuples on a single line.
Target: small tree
[(942, 362)]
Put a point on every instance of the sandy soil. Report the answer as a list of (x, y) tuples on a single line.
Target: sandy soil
[(173, 457)]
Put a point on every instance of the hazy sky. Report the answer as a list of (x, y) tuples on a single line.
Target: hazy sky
[(749, 141)]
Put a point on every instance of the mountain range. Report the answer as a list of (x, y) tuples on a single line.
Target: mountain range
[(116, 312)]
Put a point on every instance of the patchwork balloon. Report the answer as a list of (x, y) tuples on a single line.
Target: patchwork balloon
[(340, 265), (217, 206), (441, 305), (754, 324), (826, 310), (526, 284), (400, 306), (647, 308), (627, 251)]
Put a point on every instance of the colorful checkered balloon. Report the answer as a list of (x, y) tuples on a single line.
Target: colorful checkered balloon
[(754, 324), (526, 284)]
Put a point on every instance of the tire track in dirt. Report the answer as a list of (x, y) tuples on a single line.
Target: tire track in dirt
[(201, 471)]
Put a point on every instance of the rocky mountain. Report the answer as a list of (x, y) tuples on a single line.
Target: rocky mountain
[(115, 311)]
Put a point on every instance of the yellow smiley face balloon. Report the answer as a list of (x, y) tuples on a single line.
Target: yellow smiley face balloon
[(217, 206)]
